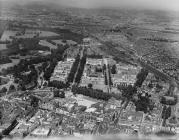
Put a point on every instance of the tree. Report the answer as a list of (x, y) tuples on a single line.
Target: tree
[(150, 85), (166, 112), (144, 103), (16, 81), (23, 88), (4, 89), (141, 76), (56, 93), (129, 91), (113, 69), (34, 101), (12, 87), (48, 72), (105, 78), (44, 65), (94, 93), (62, 94), (45, 84), (0, 116), (90, 85)]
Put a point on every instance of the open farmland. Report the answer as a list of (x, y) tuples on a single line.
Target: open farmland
[(3, 46), (5, 66)]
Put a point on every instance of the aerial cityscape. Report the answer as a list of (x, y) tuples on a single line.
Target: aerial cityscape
[(74, 71)]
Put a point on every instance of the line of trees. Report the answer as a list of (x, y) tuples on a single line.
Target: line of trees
[(166, 113), (48, 71), (81, 69), (7, 131), (110, 79), (93, 93), (73, 70), (104, 68), (160, 39), (106, 82), (105, 78), (3, 91), (58, 84), (12, 88)]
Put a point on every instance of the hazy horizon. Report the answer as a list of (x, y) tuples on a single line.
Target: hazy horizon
[(169, 5)]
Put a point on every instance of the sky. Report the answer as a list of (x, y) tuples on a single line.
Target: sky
[(144, 4)]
